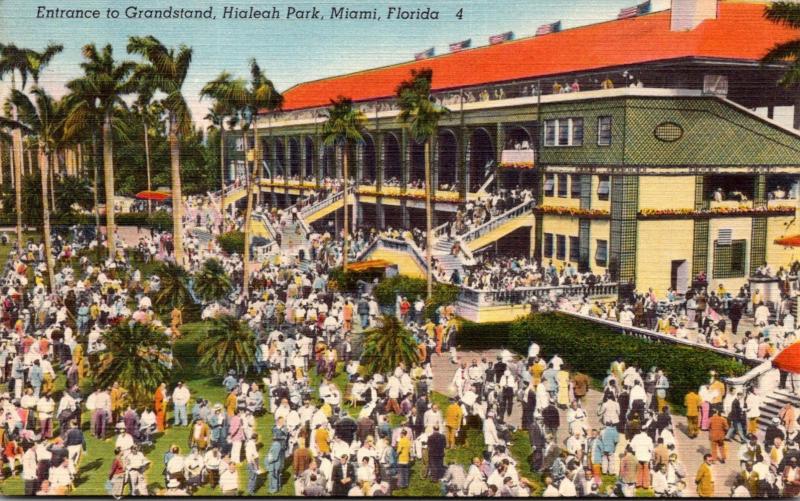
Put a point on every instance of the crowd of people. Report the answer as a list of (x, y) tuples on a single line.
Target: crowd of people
[(337, 430)]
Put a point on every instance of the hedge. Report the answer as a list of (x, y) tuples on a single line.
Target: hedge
[(160, 220), (484, 336), (232, 242), (590, 348)]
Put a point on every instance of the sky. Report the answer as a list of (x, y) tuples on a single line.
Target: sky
[(290, 51)]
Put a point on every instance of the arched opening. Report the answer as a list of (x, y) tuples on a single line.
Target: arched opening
[(448, 161), (328, 162), (294, 158), (369, 173), (416, 175), (392, 170), (280, 156), (517, 139), (309, 174), (266, 155), (482, 159)]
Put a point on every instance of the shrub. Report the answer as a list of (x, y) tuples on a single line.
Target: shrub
[(160, 220), (340, 281), (590, 348), (484, 336), (232, 242), (389, 288)]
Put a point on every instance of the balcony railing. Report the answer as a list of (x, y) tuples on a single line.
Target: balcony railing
[(325, 202), (521, 295), (498, 221), (521, 159)]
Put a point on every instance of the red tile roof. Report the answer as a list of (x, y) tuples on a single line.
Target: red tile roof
[(740, 33)]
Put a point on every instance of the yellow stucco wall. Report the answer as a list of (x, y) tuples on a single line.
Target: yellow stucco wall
[(658, 244), (666, 192), (778, 255), (562, 202)]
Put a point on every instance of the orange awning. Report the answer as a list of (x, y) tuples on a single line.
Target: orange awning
[(371, 265), (153, 195), (791, 241), (789, 359)]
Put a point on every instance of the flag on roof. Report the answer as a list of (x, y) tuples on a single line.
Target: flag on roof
[(546, 29), (425, 54), (635, 10), (464, 44), (502, 37)]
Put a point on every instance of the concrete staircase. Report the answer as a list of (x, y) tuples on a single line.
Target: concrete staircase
[(293, 238), (203, 235), (773, 403), (447, 261)]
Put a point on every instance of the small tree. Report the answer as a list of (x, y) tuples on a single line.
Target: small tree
[(211, 282), (174, 291), (137, 357), (386, 346), (230, 344)]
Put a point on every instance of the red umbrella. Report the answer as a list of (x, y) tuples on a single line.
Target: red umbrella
[(153, 195), (788, 360)]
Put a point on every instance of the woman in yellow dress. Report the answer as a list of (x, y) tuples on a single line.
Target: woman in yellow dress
[(563, 388)]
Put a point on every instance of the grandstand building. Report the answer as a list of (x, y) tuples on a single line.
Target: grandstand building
[(661, 163)]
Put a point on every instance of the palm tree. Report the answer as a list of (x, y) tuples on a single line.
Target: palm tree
[(387, 346), (167, 69), (45, 118), (25, 62), (212, 282), (342, 128), (259, 95), (138, 357), (174, 291), (229, 344), (421, 113), (100, 92), (229, 96)]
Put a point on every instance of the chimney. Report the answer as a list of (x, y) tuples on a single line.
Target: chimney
[(687, 14)]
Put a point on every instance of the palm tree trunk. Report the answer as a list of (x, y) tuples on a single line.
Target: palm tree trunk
[(94, 186), (249, 212), (428, 217), (17, 146), (43, 169), (54, 169), (1, 163), (30, 161), (177, 199), (108, 174), (79, 166), (222, 176), (345, 246), (147, 162)]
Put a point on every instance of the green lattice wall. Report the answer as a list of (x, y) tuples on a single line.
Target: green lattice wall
[(714, 133), (624, 206)]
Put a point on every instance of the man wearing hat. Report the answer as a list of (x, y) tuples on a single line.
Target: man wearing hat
[(180, 397), (343, 476)]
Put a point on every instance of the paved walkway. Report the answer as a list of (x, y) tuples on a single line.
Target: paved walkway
[(690, 451)]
